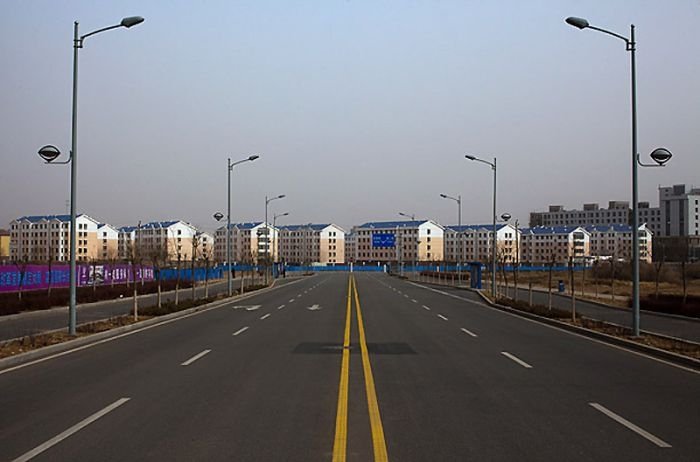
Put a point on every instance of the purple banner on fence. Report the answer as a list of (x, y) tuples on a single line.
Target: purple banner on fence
[(35, 277)]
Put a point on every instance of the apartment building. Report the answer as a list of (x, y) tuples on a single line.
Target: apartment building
[(680, 211), (250, 242), (544, 244), (350, 248), (107, 242), (474, 242), (4, 244), (322, 244), (399, 241), (40, 238), (615, 241)]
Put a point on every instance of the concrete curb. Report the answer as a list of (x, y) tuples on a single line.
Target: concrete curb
[(40, 353), (628, 344)]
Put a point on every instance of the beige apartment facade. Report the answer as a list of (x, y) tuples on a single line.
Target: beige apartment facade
[(4, 244), (312, 244), (473, 243), (559, 244), (251, 242), (399, 241), (615, 242), (41, 238)]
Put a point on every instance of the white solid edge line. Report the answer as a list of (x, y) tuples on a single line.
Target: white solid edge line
[(280, 307), (195, 358), (516, 359), (74, 429), (266, 316), (640, 431), (617, 347), (241, 330), (442, 317), (426, 307), (468, 332), (135, 331)]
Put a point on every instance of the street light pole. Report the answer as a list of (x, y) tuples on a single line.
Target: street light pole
[(458, 200), (274, 226), (77, 44), (267, 233), (228, 218), (412, 216), (493, 241), (630, 46)]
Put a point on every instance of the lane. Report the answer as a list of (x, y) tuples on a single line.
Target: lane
[(486, 408), (142, 366)]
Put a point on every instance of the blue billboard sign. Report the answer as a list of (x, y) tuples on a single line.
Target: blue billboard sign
[(383, 240)]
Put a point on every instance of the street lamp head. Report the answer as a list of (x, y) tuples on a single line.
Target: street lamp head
[(218, 216), (284, 214), (252, 158), (281, 196), (470, 157), (131, 21), (49, 153), (577, 22), (661, 156), (444, 196), (506, 216)]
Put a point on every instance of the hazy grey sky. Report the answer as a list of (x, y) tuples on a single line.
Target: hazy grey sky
[(359, 109)]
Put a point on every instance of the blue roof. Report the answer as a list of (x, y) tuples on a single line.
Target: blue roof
[(463, 228), (38, 218), (541, 230), (393, 224), (159, 224), (616, 228), (127, 229), (314, 226)]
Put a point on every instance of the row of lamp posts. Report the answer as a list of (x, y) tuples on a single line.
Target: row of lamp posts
[(50, 153)]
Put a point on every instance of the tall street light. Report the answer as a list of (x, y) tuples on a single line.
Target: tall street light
[(50, 153), (493, 237), (274, 227), (457, 199), (412, 216), (228, 217), (660, 156), (267, 231)]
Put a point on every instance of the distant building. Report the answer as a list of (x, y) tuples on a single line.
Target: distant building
[(4, 244), (249, 243), (399, 241), (107, 242), (615, 241), (680, 214), (350, 248), (40, 238), (475, 242), (322, 244), (558, 244)]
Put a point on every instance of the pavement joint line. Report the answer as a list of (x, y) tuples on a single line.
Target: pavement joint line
[(516, 359), (195, 357), (442, 317), (468, 332), (566, 331), (426, 307), (281, 306), (638, 430), (265, 317), (241, 330), (72, 430)]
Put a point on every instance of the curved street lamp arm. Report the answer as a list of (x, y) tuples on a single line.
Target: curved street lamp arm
[(83, 37), (639, 161), (490, 164), (447, 196), (630, 44)]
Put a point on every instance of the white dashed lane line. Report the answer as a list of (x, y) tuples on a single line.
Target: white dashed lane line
[(195, 358), (241, 330), (468, 332), (516, 359), (414, 300), (442, 317), (291, 301), (280, 307), (426, 307), (622, 421), (265, 317)]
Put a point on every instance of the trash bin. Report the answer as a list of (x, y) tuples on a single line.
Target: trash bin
[(561, 285)]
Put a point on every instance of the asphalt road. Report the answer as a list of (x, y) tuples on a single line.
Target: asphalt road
[(426, 376), (33, 322)]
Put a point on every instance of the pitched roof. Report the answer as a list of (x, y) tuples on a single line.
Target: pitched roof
[(542, 230), (393, 224), (313, 226), (463, 228)]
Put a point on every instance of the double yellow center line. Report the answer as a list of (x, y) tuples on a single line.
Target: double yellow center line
[(340, 443)]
